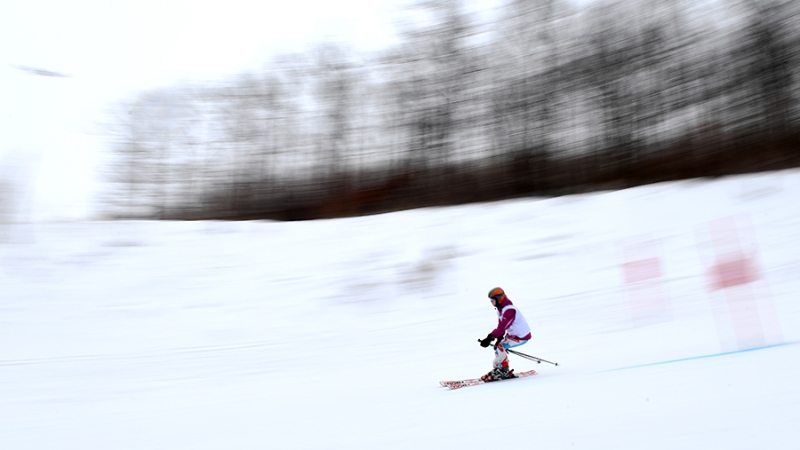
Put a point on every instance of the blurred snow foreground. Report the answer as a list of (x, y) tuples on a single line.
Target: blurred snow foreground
[(672, 309)]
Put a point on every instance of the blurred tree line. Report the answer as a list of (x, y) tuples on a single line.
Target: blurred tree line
[(545, 99)]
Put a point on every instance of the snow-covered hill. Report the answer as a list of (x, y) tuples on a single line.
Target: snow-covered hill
[(672, 309)]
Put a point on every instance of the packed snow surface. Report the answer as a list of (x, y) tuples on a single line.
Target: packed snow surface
[(672, 310)]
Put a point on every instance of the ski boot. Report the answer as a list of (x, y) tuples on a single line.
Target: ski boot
[(498, 373)]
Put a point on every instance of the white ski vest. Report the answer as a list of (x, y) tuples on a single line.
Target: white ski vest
[(519, 327)]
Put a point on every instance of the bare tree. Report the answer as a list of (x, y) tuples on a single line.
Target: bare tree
[(767, 49), (434, 70), (336, 78)]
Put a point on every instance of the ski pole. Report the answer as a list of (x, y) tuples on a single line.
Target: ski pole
[(532, 358)]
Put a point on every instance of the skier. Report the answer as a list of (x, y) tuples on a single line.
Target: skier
[(510, 321)]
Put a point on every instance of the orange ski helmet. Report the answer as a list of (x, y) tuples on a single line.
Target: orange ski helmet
[(497, 293)]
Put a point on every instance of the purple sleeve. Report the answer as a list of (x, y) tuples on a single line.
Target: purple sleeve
[(504, 322)]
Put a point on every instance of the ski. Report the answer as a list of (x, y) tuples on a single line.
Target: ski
[(458, 384)]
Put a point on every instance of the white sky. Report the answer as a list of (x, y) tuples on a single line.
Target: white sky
[(49, 127)]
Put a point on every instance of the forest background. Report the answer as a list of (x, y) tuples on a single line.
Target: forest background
[(546, 98)]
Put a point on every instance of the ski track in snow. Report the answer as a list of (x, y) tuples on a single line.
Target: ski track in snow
[(671, 308)]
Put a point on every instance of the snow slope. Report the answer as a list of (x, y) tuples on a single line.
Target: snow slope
[(671, 308)]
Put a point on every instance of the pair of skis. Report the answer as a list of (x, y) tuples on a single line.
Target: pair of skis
[(458, 384)]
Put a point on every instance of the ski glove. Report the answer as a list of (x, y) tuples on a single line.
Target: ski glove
[(488, 340)]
